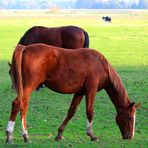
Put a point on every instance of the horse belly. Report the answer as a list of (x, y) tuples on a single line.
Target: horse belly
[(65, 88)]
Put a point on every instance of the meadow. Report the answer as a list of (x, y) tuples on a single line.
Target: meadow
[(124, 42)]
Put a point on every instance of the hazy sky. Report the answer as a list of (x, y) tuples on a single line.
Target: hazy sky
[(136, 1), (11, 4), (126, 1)]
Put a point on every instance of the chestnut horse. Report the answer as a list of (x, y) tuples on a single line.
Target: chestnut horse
[(82, 72), (66, 37)]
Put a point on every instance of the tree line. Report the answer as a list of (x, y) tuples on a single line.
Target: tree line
[(73, 4)]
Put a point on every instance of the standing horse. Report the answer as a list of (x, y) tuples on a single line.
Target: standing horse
[(67, 71), (66, 37)]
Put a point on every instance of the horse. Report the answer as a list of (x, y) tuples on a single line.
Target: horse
[(67, 72), (71, 37), (106, 18)]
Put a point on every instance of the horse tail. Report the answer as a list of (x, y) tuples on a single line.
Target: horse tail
[(16, 72), (86, 42)]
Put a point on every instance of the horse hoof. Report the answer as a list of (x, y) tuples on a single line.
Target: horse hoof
[(94, 139), (26, 138), (9, 137), (9, 141), (58, 138)]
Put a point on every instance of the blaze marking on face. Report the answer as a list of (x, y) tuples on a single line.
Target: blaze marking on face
[(10, 126), (134, 126), (89, 127)]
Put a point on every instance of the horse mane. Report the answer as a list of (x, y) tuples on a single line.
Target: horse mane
[(16, 74), (118, 86)]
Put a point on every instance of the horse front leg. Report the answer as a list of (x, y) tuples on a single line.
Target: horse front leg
[(10, 126), (74, 104), (89, 111)]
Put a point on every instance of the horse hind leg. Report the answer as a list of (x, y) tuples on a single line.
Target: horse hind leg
[(23, 114), (10, 126), (22, 106), (74, 104)]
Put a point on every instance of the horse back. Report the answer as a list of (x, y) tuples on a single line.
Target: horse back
[(62, 70), (66, 37), (74, 35), (39, 34)]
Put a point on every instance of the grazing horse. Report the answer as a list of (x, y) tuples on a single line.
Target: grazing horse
[(66, 37), (67, 71)]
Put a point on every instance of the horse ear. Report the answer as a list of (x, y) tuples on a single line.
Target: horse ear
[(9, 64), (137, 105), (131, 105)]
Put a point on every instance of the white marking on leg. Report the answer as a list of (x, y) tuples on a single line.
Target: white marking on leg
[(24, 131), (10, 126), (134, 125), (89, 127)]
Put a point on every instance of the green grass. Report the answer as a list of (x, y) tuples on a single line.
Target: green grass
[(125, 44)]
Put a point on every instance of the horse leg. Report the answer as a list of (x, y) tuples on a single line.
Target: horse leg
[(74, 104), (89, 111), (10, 127), (23, 113)]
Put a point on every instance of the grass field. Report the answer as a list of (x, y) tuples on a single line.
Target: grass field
[(124, 42)]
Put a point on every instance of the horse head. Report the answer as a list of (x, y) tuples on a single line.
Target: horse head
[(126, 121)]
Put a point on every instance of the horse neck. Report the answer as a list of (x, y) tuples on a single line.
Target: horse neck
[(116, 91)]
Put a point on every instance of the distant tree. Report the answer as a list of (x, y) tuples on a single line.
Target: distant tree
[(114, 4), (86, 4), (3, 3), (146, 4), (44, 4), (141, 4), (110, 4)]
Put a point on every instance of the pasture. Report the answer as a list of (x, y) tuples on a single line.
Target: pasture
[(124, 42)]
